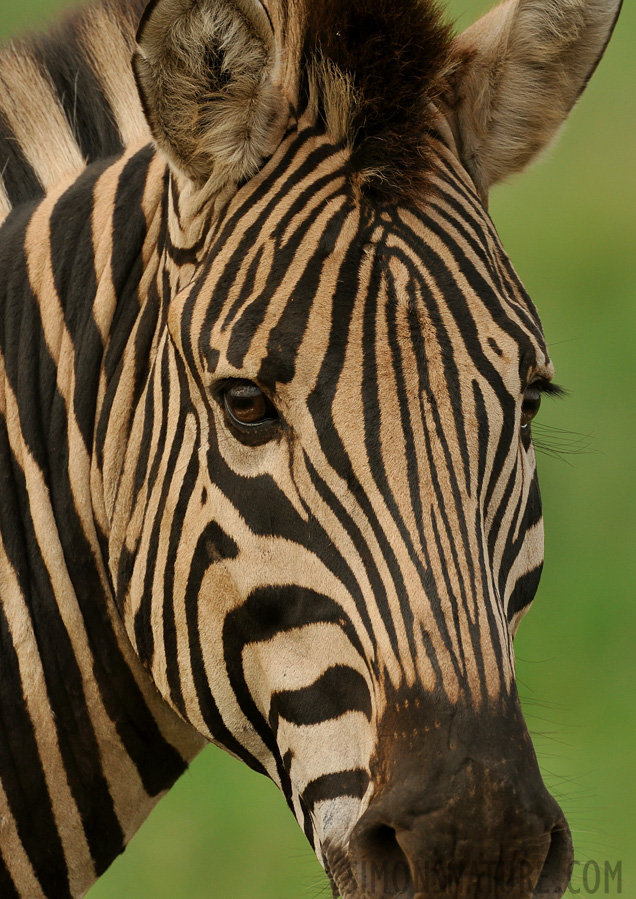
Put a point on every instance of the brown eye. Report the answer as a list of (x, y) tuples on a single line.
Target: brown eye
[(530, 405), (246, 404)]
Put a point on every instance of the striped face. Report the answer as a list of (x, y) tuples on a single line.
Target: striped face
[(345, 517), (266, 389)]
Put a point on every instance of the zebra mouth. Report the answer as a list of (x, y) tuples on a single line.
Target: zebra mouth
[(338, 869)]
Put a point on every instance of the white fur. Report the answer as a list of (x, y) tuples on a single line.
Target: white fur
[(523, 67)]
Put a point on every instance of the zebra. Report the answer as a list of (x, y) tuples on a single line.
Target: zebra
[(267, 380)]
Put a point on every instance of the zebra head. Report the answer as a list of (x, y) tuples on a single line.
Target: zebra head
[(339, 527)]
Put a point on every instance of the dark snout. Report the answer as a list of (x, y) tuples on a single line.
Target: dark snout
[(460, 812)]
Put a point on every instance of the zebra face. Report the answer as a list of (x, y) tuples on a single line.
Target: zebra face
[(364, 519), (350, 367)]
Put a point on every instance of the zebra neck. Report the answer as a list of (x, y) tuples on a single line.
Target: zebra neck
[(87, 746)]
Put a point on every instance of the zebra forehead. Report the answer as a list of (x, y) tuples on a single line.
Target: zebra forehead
[(259, 302)]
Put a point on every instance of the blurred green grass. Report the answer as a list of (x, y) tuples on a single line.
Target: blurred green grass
[(569, 225)]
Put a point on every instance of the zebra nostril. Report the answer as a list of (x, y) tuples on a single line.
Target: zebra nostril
[(480, 846), (557, 867), (382, 869)]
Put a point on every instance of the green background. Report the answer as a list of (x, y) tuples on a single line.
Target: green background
[(569, 225)]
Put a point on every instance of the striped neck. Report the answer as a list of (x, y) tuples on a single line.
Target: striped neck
[(85, 739)]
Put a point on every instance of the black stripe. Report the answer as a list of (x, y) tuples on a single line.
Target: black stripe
[(144, 635), (128, 235), (524, 591), (273, 514), (401, 374), (529, 516), (144, 337), (29, 368), (186, 482), (217, 727), (333, 786), (73, 265), (146, 473), (341, 569), (483, 432), (90, 116), (438, 688), (143, 618), (458, 660), (20, 181), (339, 690), (213, 545), (284, 341)]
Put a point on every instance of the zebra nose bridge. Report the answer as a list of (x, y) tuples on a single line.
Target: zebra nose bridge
[(456, 631)]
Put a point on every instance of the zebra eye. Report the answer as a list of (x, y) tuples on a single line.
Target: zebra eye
[(247, 405), (530, 404)]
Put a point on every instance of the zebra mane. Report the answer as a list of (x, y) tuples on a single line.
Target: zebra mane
[(68, 98), (377, 69)]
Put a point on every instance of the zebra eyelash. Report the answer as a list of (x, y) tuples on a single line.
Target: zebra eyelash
[(549, 388)]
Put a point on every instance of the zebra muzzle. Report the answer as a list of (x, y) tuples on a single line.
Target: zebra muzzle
[(461, 812)]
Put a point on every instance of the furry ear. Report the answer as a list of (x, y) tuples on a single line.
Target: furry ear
[(520, 70), (206, 72)]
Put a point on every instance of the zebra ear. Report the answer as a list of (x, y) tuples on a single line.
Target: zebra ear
[(519, 71), (206, 72)]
